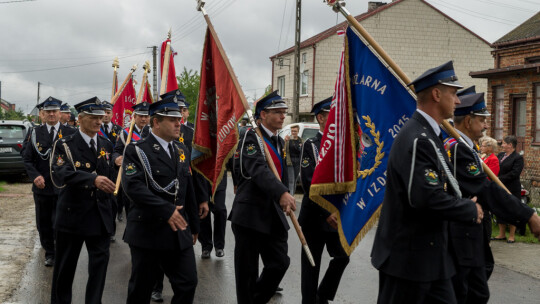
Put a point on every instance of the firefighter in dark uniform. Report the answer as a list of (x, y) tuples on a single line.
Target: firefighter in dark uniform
[(199, 183), (65, 114), (82, 168), (318, 225), (36, 153), (110, 130), (470, 241), (163, 223), (257, 216), (141, 129), (410, 249)]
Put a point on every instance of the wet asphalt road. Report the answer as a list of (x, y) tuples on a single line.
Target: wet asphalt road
[(216, 276)]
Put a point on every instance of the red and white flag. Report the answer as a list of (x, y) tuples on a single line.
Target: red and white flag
[(122, 108), (172, 83)]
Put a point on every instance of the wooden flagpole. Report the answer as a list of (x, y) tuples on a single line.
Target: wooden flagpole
[(166, 63), (146, 68), (339, 6), (115, 65), (292, 216), (117, 94)]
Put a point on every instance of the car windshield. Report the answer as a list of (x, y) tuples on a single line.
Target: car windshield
[(11, 131), (309, 133)]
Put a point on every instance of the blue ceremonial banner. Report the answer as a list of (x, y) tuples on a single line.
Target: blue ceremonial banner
[(382, 105)]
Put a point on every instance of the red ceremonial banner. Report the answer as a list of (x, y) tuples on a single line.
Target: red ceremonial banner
[(122, 107), (219, 110), (172, 83), (336, 163), (147, 94)]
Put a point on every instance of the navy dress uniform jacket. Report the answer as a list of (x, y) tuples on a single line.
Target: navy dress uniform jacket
[(35, 165), (411, 241), (113, 134), (147, 225), (256, 204), (312, 216), (82, 208), (467, 238)]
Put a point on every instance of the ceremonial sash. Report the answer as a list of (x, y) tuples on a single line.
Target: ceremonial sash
[(134, 135), (103, 133), (276, 158)]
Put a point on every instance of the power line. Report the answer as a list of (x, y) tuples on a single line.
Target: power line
[(474, 14), (68, 67), (15, 1), (282, 23)]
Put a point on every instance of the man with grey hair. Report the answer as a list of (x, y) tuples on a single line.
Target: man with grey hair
[(82, 168)]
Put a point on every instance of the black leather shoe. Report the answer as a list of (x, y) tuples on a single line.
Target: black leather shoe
[(49, 262), (205, 254), (157, 296), (120, 217), (220, 253)]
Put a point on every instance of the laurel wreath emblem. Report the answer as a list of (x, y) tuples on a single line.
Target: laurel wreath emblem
[(379, 156)]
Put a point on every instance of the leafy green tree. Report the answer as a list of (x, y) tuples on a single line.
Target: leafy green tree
[(12, 115), (188, 83)]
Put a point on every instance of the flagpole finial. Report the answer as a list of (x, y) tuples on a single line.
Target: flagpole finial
[(146, 66), (116, 63), (133, 68), (200, 6), (169, 34), (336, 5)]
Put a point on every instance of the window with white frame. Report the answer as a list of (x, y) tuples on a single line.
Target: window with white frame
[(281, 86)]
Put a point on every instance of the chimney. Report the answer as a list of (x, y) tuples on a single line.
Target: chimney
[(374, 5)]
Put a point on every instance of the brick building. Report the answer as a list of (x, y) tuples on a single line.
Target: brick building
[(513, 95), (413, 32), (6, 106)]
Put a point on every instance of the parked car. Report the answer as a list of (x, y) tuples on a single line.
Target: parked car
[(12, 134), (307, 130)]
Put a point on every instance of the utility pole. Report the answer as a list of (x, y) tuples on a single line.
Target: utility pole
[(0, 90), (38, 85), (154, 86), (296, 90)]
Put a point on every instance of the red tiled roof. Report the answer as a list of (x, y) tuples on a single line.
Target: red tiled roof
[(343, 25)]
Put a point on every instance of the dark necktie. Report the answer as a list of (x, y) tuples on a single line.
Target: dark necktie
[(106, 128), (51, 134), (275, 142), (173, 156), (93, 146)]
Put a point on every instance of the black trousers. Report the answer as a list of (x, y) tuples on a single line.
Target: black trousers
[(45, 214), (470, 285), (179, 266), (316, 241), (68, 249), (398, 291), (272, 248), (219, 210)]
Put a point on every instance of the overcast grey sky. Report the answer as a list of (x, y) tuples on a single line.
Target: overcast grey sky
[(69, 45)]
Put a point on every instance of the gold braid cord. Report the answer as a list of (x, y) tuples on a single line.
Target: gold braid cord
[(380, 154)]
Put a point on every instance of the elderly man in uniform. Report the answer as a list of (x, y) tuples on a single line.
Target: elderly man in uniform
[(83, 170), (36, 154), (411, 243), (108, 129), (258, 219), (65, 114), (163, 223), (469, 241), (318, 225)]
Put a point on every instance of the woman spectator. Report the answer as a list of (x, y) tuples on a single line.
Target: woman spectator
[(488, 145), (511, 165)]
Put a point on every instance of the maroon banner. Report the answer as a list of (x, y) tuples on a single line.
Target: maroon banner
[(172, 83), (216, 133), (122, 108)]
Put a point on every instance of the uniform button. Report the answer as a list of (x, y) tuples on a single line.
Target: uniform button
[(157, 171), (86, 187), (467, 234), (431, 243), (139, 217), (69, 209)]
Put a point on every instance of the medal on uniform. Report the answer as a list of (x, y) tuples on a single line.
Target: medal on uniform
[(103, 153), (87, 165), (60, 161), (182, 157), (77, 164), (157, 147), (59, 133)]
